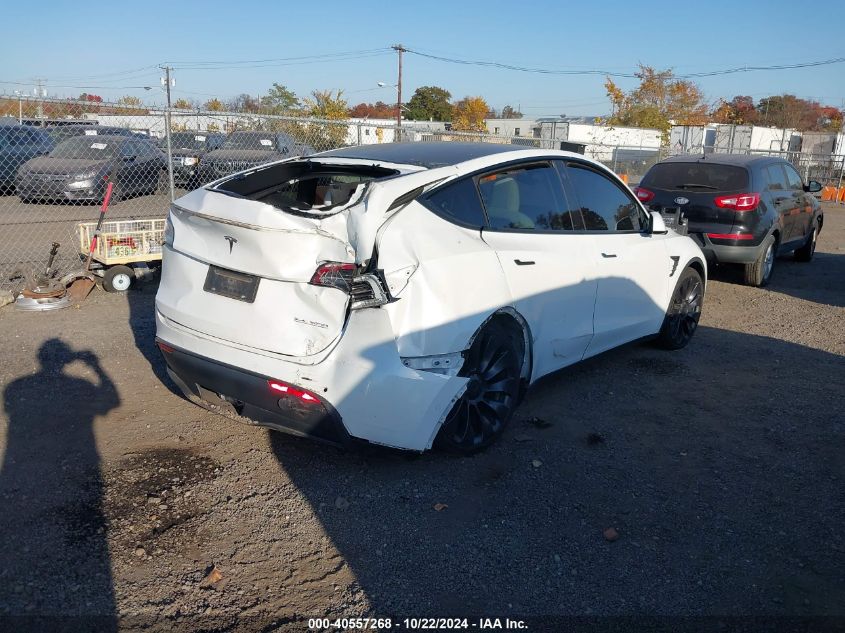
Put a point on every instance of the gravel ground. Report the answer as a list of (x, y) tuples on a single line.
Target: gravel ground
[(720, 468)]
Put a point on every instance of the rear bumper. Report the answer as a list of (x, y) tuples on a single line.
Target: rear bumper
[(365, 388), (247, 394), (726, 253)]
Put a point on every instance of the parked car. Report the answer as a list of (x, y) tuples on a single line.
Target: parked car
[(243, 150), (410, 292), (188, 149), (79, 168), (18, 144), (62, 132), (741, 209)]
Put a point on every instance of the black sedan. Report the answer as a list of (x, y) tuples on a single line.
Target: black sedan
[(79, 168)]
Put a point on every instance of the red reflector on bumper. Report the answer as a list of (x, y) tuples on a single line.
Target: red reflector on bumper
[(730, 236), (164, 347), (290, 390)]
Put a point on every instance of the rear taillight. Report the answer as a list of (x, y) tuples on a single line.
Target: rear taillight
[(366, 290), (738, 202), (334, 275), (644, 195)]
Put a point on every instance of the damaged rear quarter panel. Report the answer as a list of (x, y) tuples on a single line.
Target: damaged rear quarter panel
[(455, 282)]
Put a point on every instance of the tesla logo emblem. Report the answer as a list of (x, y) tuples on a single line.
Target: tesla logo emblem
[(232, 241), (681, 200)]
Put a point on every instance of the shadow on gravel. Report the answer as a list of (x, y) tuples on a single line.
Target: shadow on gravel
[(54, 558), (820, 281), (720, 467), (141, 300)]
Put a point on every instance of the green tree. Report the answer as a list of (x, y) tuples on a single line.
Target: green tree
[(430, 102), (280, 99), (324, 104), (659, 101)]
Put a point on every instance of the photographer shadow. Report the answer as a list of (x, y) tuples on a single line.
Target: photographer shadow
[(55, 561)]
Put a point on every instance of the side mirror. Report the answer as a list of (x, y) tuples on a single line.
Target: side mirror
[(658, 226), (814, 186)]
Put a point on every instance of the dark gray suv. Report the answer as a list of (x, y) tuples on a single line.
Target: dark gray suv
[(741, 209)]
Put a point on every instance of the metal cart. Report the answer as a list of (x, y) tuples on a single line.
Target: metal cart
[(123, 247)]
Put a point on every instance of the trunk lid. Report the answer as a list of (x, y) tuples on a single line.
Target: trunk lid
[(232, 228)]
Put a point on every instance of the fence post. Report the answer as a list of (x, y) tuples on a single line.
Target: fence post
[(358, 125)]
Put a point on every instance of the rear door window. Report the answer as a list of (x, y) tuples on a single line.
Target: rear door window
[(697, 176), (605, 205), (793, 178), (525, 197), (775, 178), (458, 202)]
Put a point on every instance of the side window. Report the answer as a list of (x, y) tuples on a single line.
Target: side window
[(605, 206), (458, 202), (525, 197), (794, 178), (776, 178), (128, 149)]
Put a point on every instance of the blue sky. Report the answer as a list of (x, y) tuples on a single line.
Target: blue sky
[(73, 48)]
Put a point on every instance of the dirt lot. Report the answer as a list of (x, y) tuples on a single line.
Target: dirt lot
[(720, 466)]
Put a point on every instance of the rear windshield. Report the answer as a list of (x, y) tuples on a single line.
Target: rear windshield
[(699, 176), (305, 187)]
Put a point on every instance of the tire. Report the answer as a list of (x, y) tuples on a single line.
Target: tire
[(493, 365), (118, 279), (759, 272), (806, 252), (684, 311)]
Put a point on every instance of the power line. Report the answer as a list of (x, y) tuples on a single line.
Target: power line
[(608, 73), (281, 61)]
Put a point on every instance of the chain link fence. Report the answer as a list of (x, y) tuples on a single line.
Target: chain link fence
[(58, 157)]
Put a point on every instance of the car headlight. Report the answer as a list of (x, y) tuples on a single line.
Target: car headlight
[(85, 175), (189, 160), (169, 232)]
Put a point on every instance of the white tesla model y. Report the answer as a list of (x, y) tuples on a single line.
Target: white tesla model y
[(407, 294)]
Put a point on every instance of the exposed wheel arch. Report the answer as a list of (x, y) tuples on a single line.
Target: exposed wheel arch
[(511, 317)]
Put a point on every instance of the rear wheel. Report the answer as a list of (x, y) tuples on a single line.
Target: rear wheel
[(684, 311), (493, 366), (759, 272), (118, 279), (806, 252)]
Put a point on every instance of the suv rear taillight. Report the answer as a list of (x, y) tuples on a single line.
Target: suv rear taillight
[(644, 195), (738, 201), (365, 290), (334, 275)]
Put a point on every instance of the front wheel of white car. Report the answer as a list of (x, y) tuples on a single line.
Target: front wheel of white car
[(684, 311), (493, 366)]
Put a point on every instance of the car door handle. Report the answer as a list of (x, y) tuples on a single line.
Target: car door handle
[(608, 255), (527, 262)]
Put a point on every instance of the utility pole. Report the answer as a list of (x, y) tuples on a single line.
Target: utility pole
[(399, 49), (40, 92), (167, 124)]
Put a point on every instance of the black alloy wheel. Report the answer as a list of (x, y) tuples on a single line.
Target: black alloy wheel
[(493, 366), (684, 311)]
